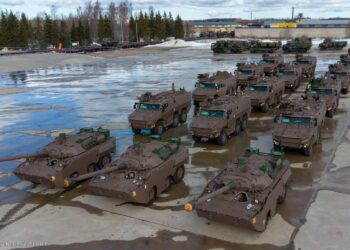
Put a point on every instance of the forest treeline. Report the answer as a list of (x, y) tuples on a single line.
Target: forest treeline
[(91, 23)]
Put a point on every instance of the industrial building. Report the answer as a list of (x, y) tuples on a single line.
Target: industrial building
[(324, 23), (214, 25)]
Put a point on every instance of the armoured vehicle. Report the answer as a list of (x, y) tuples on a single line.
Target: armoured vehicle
[(247, 72), (345, 59), (142, 172), (158, 112), (271, 62), (299, 124), (297, 45), (329, 44), (328, 89), (290, 74), (265, 46), (212, 86), (247, 191), (220, 118), (67, 156), (341, 72), (230, 46), (266, 92), (308, 65)]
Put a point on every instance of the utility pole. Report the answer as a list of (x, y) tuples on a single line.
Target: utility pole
[(292, 13), (251, 15)]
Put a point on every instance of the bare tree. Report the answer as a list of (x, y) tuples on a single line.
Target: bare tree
[(96, 13), (112, 13), (124, 12)]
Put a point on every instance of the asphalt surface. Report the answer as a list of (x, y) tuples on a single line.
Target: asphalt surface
[(62, 99)]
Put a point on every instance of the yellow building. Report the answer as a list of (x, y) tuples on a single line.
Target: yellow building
[(284, 25)]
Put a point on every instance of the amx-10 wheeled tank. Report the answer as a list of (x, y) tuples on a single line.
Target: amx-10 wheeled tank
[(246, 72), (308, 65), (230, 46), (142, 172), (266, 92), (220, 118), (291, 75), (246, 193), (330, 44), (297, 45), (328, 89), (67, 156), (265, 46), (271, 62), (341, 72), (156, 113), (299, 124), (213, 86)]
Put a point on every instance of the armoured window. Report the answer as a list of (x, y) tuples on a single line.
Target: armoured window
[(268, 62), (241, 197), (296, 120), (207, 85), (322, 91), (253, 88), (244, 72), (288, 73), (212, 113), (146, 106), (302, 62)]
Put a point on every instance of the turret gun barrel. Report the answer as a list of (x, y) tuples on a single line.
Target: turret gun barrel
[(24, 156)]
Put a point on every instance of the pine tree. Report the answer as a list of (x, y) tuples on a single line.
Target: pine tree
[(55, 39), (87, 36), (178, 28), (48, 30), (2, 29), (108, 28), (11, 30), (159, 27), (23, 36), (100, 29), (80, 33), (73, 32), (64, 36), (132, 29), (169, 26), (38, 33), (152, 24)]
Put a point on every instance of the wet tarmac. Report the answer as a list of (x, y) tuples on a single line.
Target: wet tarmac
[(51, 100)]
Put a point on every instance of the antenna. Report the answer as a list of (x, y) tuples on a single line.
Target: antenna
[(292, 13)]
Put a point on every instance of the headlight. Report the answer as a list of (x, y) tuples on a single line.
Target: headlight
[(262, 103)]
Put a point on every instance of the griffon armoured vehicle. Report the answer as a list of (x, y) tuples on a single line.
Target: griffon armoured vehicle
[(328, 89), (308, 65), (266, 92), (246, 193), (220, 118), (230, 46), (142, 172), (213, 86), (67, 156), (158, 112), (247, 72), (265, 46), (297, 45), (271, 62), (329, 44), (299, 124), (291, 75), (341, 72)]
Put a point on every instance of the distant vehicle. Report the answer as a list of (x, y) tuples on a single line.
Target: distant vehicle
[(330, 44), (297, 45), (248, 72), (141, 173), (291, 75), (308, 65), (67, 156), (247, 191), (230, 46), (299, 124), (213, 86), (220, 118), (264, 46), (341, 72), (271, 62), (156, 113), (266, 92)]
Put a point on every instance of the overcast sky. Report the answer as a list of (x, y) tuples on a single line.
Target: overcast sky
[(201, 9)]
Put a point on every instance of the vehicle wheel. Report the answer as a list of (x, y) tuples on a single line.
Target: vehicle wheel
[(345, 91), (159, 129), (222, 139), (237, 127), (308, 150), (152, 195), (168, 182), (104, 161), (183, 116), (244, 123), (136, 131), (330, 113), (91, 168), (282, 197), (179, 174), (196, 138), (265, 108), (176, 120)]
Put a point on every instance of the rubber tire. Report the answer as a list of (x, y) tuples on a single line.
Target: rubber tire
[(179, 174), (169, 183), (282, 197), (222, 139), (196, 138), (237, 127), (308, 151), (152, 195), (244, 123), (136, 131), (345, 91), (265, 108), (176, 120), (183, 116), (159, 129), (91, 168), (104, 160), (330, 113)]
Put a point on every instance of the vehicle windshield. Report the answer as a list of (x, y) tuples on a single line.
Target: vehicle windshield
[(268, 62), (148, 106), (254, 88), (288, 73), (296, 120), (212, 113), (207, 85), (322, 91), (303, 62), (244, 71)]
